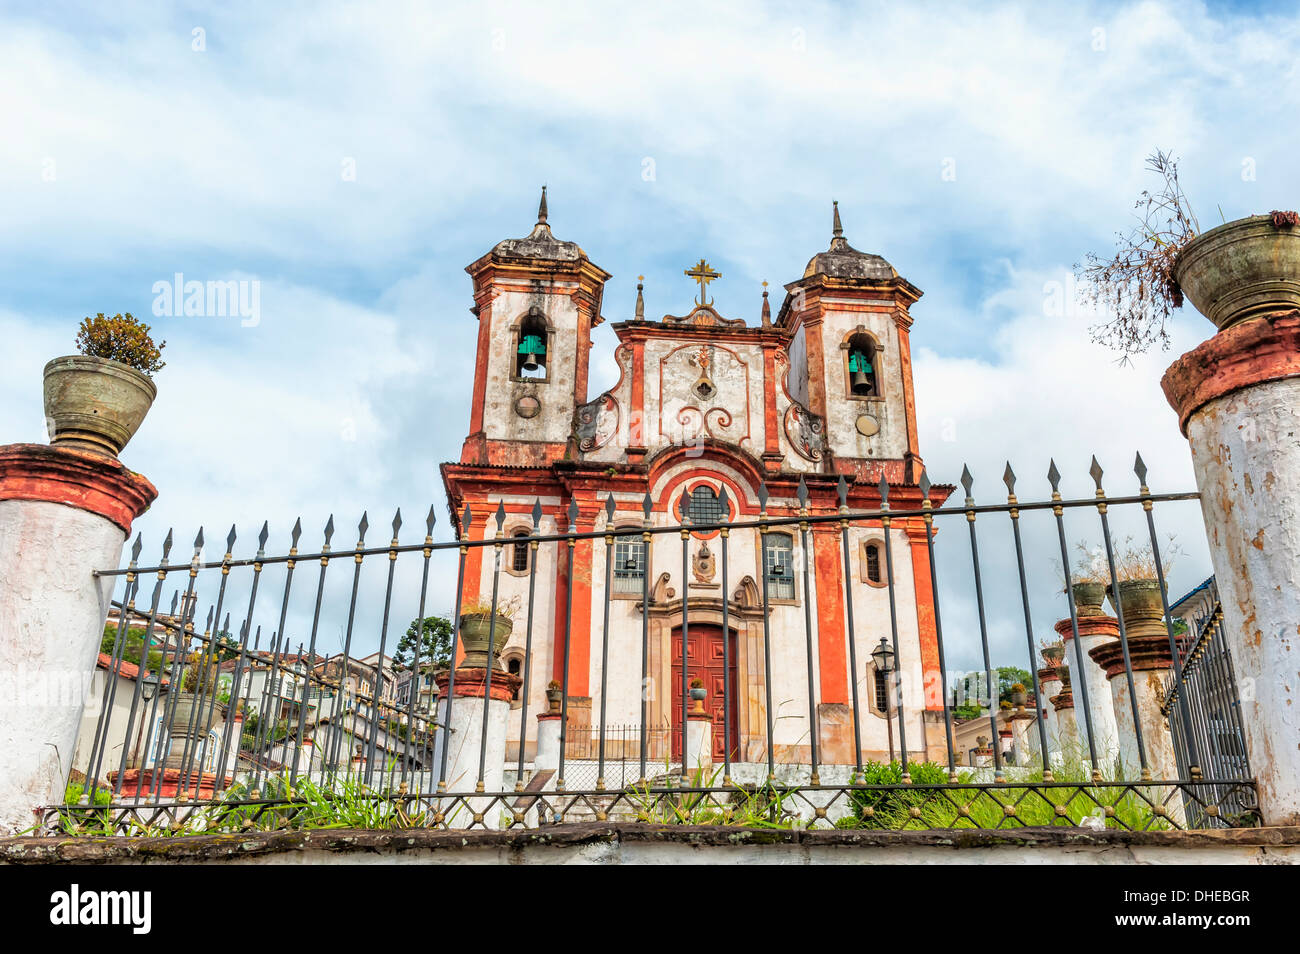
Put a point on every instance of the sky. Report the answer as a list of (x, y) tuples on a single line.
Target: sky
[(352, 159)]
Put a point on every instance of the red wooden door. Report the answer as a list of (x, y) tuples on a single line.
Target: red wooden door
[(704, 660)]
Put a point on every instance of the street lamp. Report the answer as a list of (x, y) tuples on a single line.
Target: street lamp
[(883, 657)]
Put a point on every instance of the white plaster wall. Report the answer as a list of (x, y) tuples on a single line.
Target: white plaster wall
[(52, 613), (844, 438), (555, 422), (1246, 453)]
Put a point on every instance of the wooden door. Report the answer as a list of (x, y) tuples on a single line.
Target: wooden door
[(704, 660)]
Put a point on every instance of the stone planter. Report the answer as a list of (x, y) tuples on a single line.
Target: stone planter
[(95, 404), (1054, 655), (1244, 268), (1143, 610), (475, 633), (553, 699), (186, 730), (1088, 597), (1018, 699)]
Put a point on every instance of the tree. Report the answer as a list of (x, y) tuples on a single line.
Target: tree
[(1008, 676), (432, 635)]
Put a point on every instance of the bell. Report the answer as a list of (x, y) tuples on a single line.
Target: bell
[(530, 362), (860, 383)]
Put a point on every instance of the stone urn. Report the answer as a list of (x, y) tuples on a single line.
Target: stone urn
[(94, 404), (476, 634), (1053, 655), (187, 730), (1088, 597), (698, 695), (1245, 268), (1142, 609), (554, 697)]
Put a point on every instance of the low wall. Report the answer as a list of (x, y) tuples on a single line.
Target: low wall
[(676, 844)]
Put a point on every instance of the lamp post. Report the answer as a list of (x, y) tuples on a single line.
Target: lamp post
[(883, 657)]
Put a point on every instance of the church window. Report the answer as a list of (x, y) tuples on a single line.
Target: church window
[(519, 551), (530, 348), (706, 507), (780, 566), (874, 558), (629, 565), (862, 366), (881, 700)]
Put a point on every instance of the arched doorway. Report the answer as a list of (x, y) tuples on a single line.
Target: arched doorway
[(704, 660)]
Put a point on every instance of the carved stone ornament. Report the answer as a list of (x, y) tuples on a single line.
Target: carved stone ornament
[(804, 430)]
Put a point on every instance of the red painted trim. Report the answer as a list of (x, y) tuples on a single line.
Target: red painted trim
[(1240, 356), (771, 422), (832, 646), (909, 394), (1088, 626), (926, 629), (481, 366), (471, 683), (1145, 652), (89, 482)]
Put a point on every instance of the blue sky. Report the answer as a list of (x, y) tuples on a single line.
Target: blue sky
[(665, 132)]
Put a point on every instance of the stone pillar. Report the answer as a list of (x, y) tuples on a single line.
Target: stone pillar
[(1067, 739), (1005, 742), (699, 742), (1238, 402), (1093, 632), (1049, 684), (1151, 661), (63, 514), (1026, 736), (466, 727), (547, 758)]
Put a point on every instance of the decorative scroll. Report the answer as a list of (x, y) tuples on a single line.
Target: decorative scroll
[(595, 423), (804, 430)]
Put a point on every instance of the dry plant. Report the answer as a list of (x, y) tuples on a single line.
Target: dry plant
[(481, 607), (1136, 287), (1135, 561)]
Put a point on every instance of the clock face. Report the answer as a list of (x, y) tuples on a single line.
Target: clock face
[(868, 426)]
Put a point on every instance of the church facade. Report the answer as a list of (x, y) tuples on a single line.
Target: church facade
[(707, 410)]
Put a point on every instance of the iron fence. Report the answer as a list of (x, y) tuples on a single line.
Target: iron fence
[(1212, 716), (393, 759)]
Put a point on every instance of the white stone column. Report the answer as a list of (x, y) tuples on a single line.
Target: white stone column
[(547, 758), (1238, 402), (1094, 631), (1049, 684), (465, 753), (699, 742), (1067, 740), (63, 515)]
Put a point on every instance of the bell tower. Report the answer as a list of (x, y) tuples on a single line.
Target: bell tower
[(851, 358), (537, 299)]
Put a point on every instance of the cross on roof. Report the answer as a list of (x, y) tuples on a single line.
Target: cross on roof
[(703, 274)]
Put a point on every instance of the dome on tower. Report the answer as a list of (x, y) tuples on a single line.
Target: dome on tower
[(842, 260), (540, 243)]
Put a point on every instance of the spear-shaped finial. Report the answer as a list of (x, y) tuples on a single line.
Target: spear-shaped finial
[(646, 505), (541, 208), (537, 512), (640, 299), (767, 308), (837, 229)]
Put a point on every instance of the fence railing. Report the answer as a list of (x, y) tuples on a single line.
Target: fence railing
[(1212, 716), (793, 760)]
